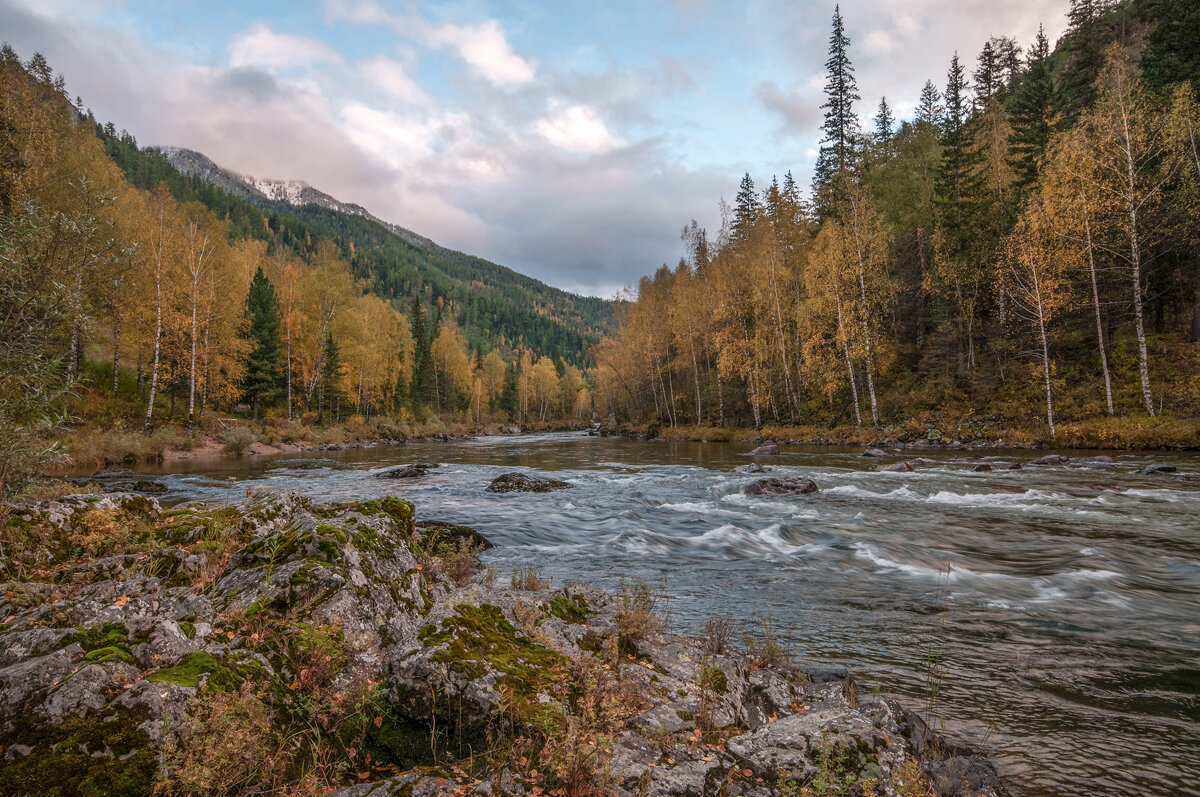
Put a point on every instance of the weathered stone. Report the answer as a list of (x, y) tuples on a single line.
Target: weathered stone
[(753, 467), (413, 471), (1051, 459), (1155, 470), (898, 467), (766, 449), (524, 483), (981, 468), (788, 485), (874, 452)]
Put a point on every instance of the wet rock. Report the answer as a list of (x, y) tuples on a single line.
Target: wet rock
[(753, 467), (413, 471), (1051, 459), (111, 474), (1155, 470), (766, 449), (524, 483), (874, 452), (150, 486), (897, 467), (437, 537), (983, 467), (789, 485), (918, 463), (1012, 466)]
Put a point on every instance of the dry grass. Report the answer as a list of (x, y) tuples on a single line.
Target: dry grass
[(716, 633), (459, 562), (529, 579), (640, 616)]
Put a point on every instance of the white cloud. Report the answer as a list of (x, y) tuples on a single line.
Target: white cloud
[(486, 49), (391, 76), (577, 128), (261, 46)]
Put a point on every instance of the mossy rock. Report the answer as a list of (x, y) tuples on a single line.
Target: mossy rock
[(223, 674), (714, 678), (569, 609), (524, 483), (436, 538), (99, 754)]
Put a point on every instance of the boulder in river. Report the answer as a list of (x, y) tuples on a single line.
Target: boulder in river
[(413, 471), (524, 483), (766, 449), (788, 485), (874, 452), (753, 467), (983, 467), (1051, 459), (923, 462), (1098, 462), (896, 467), (1154, 470)]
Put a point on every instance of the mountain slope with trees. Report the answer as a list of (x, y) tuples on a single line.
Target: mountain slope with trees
[(1030, 239)]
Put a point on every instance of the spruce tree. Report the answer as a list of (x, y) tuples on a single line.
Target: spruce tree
[(331, 397), (745, 213), (422, 386), (986, 77), (264, 370), (1081, 51), (1031, 113), (930, 109), (884, 119), (1172, 53), (841, 125)]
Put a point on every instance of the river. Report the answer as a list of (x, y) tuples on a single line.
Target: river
[(1060, 605)]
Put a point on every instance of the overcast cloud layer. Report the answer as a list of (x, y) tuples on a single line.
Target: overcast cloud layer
[(570, 141)]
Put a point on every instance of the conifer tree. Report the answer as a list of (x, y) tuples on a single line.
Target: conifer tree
[(930, 109), (1082, 51), (884, 119), (986, 77), (745, 213), (264, 371), (1031, 113), (1171, 54), (423, 385), (841, 92), (329, 402)]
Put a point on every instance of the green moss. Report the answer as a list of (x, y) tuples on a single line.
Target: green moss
[(479, 639), (110, 653), (686, 716), (713, 678), (222, 676), (98, 754), (591, 641), (304, 574), (568, 609), (188, 628)]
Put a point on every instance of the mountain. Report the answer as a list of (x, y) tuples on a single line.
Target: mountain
[(494, 305)]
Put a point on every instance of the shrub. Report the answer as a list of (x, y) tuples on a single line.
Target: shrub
[(459, 561), (238, 439), (638, 614), (764, 647), (715, 634)]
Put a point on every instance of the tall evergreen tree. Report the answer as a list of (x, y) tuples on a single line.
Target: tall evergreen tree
[(1031, 113), (930, 110), (1081, 51), (986, 76), (331, 398), (884, 119), (423, 386), (747, 209), (841, 92), (264, 369), (1171, 54)]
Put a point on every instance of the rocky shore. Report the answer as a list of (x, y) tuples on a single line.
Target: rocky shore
[(285, 646)]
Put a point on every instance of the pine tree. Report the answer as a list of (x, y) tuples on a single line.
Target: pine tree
[(264, 371), (841, 92), (986, 76), (1082, 51), (930, 110), (883, 122), (1031, 113)]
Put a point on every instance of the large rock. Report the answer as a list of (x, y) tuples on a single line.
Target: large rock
[(1051, 459), (896, 467), (766, 449), (524, 483), (874, 452), (1154, 470), (413, 471), (788, 485)]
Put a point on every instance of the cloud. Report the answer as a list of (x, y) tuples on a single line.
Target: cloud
[(392, 78), (800, 113), (261, 46), (486, 49), (577, 129)]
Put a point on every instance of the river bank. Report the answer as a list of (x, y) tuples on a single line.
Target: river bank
[(1126, 434), (285, 643)]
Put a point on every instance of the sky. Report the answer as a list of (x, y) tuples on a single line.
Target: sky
[(570, 141)]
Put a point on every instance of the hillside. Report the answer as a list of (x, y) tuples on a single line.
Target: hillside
[(493, 304)]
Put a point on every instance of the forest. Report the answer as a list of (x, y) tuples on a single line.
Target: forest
[(1024, 253), (140, 301)]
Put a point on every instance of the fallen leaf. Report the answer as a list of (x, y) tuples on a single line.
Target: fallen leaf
[(229, 634), (121, 601), (379, 722), (364, 775)]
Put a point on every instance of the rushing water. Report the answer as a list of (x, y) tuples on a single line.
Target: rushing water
[(1063, 603)]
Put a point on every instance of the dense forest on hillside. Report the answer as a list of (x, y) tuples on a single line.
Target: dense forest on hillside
[(1028, 245), (133, 296)]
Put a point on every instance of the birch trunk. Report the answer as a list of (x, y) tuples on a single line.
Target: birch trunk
[(1087, 230)]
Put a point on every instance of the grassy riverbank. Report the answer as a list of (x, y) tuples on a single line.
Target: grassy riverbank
[(1136, 433)]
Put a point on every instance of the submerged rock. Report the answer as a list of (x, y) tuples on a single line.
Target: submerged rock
[(753, 467), (1154, 470), (788, 485), (1051, 459), (524, 483), (983, 467), (874, 452), (897, 467), (766, 449), (413, 471)]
